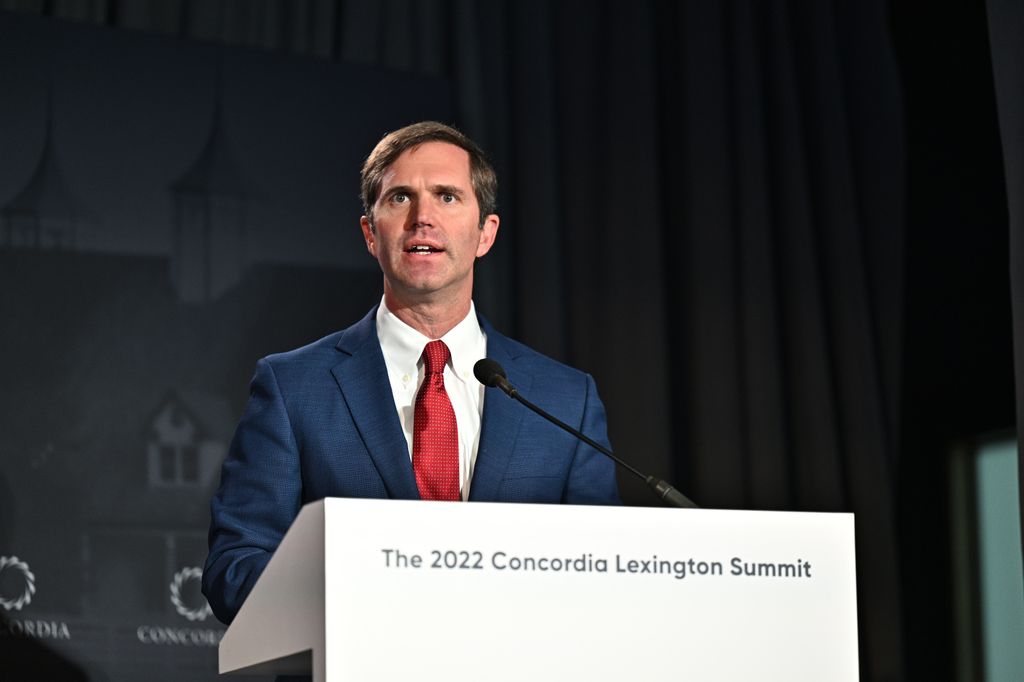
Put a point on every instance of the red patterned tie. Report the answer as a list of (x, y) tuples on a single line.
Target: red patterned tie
[(435, 439)]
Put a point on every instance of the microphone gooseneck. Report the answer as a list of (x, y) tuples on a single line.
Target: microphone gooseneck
[(491, 374)]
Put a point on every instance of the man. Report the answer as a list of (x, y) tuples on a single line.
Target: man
[(389, 407)]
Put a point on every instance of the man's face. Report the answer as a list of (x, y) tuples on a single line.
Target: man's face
[(426, 230)]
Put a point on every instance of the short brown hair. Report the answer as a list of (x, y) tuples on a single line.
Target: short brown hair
[(391, 146)]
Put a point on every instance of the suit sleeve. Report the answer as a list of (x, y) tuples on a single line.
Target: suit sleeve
[(260, 494), (592, 475)]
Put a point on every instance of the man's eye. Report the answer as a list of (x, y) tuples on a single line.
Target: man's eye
[(448, 198), (399, 198)]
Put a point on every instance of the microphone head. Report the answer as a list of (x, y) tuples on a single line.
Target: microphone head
[(489, 373)]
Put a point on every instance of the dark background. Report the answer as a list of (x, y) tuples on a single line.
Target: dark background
[(778, 234)]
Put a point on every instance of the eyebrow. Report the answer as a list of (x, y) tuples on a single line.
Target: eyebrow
[(447, 189), (392, 191)]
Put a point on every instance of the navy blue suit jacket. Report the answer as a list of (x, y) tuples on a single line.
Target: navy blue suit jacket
[(321, 422)]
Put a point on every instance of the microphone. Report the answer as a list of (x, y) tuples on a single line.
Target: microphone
[(491, 374)]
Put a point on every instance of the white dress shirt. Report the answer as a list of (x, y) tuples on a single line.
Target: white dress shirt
[(403, 348)]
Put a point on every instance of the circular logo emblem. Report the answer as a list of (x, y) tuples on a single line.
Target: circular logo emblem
[(17, 584), (186, 596)]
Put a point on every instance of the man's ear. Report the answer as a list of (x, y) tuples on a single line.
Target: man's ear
[(368, 234), (488, 233)]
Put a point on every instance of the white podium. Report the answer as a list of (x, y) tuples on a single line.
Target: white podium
[(384, 590)]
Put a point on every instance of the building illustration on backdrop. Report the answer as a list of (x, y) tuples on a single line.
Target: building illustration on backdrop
[(209, 203), (208, 254), (44, 213)]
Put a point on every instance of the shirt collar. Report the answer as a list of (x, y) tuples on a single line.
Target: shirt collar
[(402, 345)]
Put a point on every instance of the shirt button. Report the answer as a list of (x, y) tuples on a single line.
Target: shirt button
[(406, 378)]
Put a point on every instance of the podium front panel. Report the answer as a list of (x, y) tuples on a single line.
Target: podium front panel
[(451, 591)]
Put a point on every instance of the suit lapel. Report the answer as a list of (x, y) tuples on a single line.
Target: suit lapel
[(501, 420), (363, 380)]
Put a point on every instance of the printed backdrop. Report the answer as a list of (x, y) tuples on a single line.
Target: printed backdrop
[(169, 213)]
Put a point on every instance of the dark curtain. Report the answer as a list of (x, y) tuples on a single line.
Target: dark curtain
[(789, 234), (702, 205), (1006, 26)]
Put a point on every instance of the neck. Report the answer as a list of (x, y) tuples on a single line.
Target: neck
[(431, 319)]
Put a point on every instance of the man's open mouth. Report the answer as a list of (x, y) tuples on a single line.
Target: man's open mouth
[(423, 248)]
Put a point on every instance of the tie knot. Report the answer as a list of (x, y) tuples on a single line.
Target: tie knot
[(435, 356)]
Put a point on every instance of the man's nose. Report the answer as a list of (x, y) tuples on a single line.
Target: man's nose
[(422, 213)]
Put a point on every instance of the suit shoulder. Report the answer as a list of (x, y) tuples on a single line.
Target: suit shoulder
[(315, 353)]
